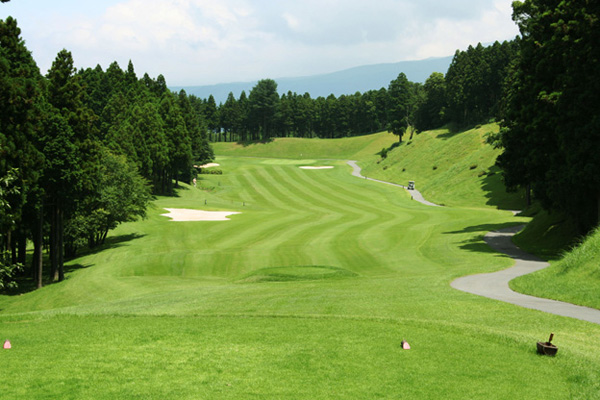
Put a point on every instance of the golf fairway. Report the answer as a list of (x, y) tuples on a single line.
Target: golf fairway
[(306, 293)]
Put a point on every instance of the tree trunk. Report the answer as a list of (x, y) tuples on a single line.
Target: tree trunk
[(38, 254), (13, 250), (598, 217), (54, 244), (528, 194), (22, 246), (8, 243), (61, 246)]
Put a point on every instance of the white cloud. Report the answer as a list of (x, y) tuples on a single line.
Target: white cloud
[(207, 41)]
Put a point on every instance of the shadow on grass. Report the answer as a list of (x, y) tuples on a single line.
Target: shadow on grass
[(248, 143), (497, 195), (448, 135), (453, 129), (484, 228), (477, 244), (112, 242), (27, 284)]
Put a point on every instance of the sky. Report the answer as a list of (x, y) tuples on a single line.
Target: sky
[(204, 42)]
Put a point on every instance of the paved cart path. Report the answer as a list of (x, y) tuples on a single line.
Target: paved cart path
[(416, 195), (495, 285)]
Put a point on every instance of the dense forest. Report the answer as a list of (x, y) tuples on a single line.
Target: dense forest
[(551, 121), (82, 151), (469, 93)]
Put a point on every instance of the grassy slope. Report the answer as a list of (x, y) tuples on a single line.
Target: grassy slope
[(574, 278), (226, 312), (455, 169), (455, 182)]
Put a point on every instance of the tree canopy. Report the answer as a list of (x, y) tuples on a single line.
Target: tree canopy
[(82, 151), (551, 131)]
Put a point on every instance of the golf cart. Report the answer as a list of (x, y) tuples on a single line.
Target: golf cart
[(411, 185)]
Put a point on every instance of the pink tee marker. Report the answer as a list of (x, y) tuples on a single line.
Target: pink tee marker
[(7, 344), (405, 345)]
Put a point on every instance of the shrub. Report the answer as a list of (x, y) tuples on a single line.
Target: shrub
[(211, 171)]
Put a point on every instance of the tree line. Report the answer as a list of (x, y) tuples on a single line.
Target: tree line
[(470, 92), (81, 152), (550, 130)]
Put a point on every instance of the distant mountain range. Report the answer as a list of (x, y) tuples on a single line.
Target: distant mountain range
[(349, 81)]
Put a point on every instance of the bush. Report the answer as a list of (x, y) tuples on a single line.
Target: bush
[(8, 271), (211, 171)]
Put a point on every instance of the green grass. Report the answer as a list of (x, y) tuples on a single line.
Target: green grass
[(305, 294), (454, 169), (548, 236), (574, 278), (354, 148), (296, 273)]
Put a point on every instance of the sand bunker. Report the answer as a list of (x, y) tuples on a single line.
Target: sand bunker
[(212, 164), (181, 214), (323, 167)]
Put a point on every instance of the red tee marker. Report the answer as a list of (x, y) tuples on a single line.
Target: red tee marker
[(405, 345), (7, 344)]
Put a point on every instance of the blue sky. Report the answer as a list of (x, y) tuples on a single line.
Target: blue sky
[(199, 42)]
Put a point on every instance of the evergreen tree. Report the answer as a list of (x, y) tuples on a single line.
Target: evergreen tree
[(21, 96), (431, 112), (551, 131), (400, 101), (263, 106), (211, 114)]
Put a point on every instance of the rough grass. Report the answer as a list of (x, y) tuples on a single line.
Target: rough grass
[(450, 168), (549, 236), (162, 312)]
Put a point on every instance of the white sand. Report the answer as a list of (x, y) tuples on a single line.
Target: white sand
[(323, 167), (181, 214), (212, 164)]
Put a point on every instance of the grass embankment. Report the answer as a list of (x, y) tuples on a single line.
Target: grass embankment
[(575, 277), (305, 294), (450, 168)]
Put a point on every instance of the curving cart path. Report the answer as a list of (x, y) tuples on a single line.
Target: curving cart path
[(416, 195), (494, 285)]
